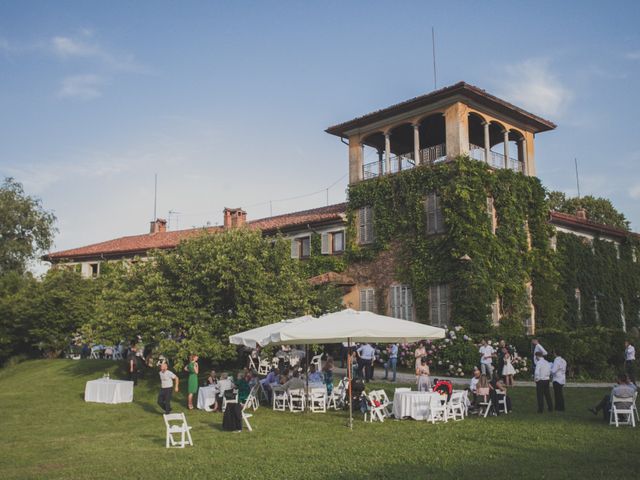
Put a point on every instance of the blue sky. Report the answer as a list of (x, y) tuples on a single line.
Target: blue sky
[(228, 101)]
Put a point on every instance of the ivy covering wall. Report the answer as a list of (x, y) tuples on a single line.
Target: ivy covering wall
[(501, 264)]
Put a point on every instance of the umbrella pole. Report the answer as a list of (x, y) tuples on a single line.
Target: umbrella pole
[(350, 381)]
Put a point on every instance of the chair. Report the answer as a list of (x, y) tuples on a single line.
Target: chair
[(317, 361), (275, 362), (225, 400), (437, 409), (296, 400), (623, 406), (338, 395), (117, 354), (252, 364), (177, 428), (280, 399), (95, 353), (455, 406), (502, 402), (252, 399), (246, 416), (375, 412), (318, 400), (263, 367), (485, 404), (386, 403)]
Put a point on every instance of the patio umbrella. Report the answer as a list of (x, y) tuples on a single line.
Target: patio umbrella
[(262, 335), (354, 326)]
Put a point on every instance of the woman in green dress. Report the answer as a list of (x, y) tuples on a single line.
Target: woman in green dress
[(193, 370)]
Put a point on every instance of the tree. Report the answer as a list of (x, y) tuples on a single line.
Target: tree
[(599, 210), (191, 299), (26, 229)]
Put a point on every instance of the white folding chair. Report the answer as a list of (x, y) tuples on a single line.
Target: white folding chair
[(338, 395), (317, 361), (502, 402), (263, 367), (296, 400), (485, 405), (95, 354), (438, 410), (252, 399), (225, 400), (252, 364), (318, 400), (623, 406), (246, 416), (275, 362), (375, 412), (455, 406), (117, 354), (386, 403), (177, 428), (280, 399)]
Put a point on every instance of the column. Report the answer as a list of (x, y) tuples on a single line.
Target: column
[(416, 144), (380, 163), (355, 160), (522, 154), (506, 148), (487, 142), (387, 151)]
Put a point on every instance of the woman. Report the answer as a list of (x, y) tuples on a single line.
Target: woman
[(420, 352), (422, 372), (212, 379), (508, 371), (243, 387), (327, 371), (193, 370)]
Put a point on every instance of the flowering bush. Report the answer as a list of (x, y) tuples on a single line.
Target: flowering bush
[(454, 355)]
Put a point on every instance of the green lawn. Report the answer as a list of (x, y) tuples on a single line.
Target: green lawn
[(48, 431)]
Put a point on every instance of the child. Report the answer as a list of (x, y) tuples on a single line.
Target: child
[(508, 371), (327, 371)]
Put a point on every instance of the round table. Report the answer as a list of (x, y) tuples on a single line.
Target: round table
[(106, 390), (207, 397), (412, 404)]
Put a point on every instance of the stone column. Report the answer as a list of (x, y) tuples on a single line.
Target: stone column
[(456, 119), (355, 159), (487, 142), (522, 154), (506, 148), (380, 163), (387, 151), (416, 144)]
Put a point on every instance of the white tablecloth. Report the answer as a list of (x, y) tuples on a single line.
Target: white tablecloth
[(412, 404), (108, 391), (207, 397)]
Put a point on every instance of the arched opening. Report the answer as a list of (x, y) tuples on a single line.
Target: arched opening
[(373, 155), (517, 152), (433, 136), (476, 137)]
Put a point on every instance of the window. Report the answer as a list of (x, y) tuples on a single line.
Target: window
[(367, 300), (439, 305), (332, 243), (495, 312), (401, 302), (433, 208), (95, 270), (301, 247), (365, 225)]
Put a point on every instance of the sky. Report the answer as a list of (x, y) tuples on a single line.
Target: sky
[(227, 102)]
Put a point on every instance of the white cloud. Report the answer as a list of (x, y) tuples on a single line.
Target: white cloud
[(68, 47), (81, 87), (634, 191), (632, 55), (532, 85)]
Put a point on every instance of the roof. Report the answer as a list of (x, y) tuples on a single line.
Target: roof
[(331, 277), (140, 244), (538, 124), (574, 222)]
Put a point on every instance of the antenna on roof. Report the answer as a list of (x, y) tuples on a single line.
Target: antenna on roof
[(575, 160), (433, 44), (155, 198)]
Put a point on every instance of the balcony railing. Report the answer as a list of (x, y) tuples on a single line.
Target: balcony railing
[(496, 160), (429, 155)]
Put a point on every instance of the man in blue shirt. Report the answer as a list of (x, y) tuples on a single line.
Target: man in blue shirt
[(366, 354), (392, 363)]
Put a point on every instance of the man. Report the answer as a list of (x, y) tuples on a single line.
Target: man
[(559, 372), (542, 375), (630, 361), (535, 343), (486, 358), (132, 364), (314, 375), (366, 354), (295, 383), (392, 363), (167, 380), (473, 384), (622, 389), (266, 382)]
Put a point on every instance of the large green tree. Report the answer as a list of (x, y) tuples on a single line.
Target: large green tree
[(599, 210), (191, 299), (26, 229)]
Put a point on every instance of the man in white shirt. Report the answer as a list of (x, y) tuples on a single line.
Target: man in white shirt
[(623, 390), (487, 353), (366, 354), (542, 375), (537, 348), (630, 361), (167, 379), (559, 373)]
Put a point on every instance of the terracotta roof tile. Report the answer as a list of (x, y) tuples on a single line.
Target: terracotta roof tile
[(575, 222), (140, 244)]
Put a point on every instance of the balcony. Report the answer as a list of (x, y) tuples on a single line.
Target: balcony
[(429, 155), (496, 160)]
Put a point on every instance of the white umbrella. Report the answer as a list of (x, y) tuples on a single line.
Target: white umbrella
[(353, 326), (262, 335)]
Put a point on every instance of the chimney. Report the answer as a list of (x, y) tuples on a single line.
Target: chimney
[(160, 225), (234, 217), (581, 213)]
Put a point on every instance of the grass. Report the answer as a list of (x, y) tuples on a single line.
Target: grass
[(48, 431)]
